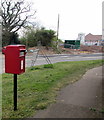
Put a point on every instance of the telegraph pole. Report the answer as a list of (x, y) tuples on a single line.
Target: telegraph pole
[(58, 31)]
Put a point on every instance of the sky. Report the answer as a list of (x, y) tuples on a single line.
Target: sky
[(76, 16)]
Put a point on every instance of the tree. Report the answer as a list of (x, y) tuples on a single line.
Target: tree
[(28, 37), (45, 37), (34, 36), (15, 14)]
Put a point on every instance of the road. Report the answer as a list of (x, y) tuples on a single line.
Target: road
[(64, 57), (55, 58)]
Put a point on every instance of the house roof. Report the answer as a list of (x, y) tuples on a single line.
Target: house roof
[(93, 37)]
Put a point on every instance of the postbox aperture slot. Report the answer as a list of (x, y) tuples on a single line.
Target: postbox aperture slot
[(22, 50)]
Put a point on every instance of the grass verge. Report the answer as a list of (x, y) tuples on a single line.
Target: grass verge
[(38, 86)]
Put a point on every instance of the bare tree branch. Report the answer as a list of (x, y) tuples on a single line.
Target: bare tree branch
[(15, 14)]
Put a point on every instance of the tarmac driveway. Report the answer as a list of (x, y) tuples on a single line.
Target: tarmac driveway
[(82, 99)]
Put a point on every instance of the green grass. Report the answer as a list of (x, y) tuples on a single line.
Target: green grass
[(38, 86)]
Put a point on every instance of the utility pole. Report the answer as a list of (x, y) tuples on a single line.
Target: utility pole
[(58, 31)]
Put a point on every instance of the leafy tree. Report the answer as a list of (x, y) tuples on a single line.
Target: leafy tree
[(45, 37), (15, 14), (28, 37), (34, 36)]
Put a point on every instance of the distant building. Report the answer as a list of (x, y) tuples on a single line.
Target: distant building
[(90, 39), (81, 37), (73, 44)]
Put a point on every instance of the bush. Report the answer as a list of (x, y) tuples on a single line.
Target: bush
[(48, 66)]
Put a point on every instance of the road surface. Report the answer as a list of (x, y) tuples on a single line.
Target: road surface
[(54, 58), (64, 57)]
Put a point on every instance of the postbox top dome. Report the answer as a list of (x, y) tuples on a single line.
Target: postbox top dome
[(19, 45)]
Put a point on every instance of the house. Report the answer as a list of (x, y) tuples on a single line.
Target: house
[(91, 39)]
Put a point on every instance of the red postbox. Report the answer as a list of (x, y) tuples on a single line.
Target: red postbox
[(15, 59)]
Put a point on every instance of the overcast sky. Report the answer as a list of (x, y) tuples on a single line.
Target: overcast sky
[(75, 16)]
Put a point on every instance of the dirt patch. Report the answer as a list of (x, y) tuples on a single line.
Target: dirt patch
[(62, 50), (93, 48)]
